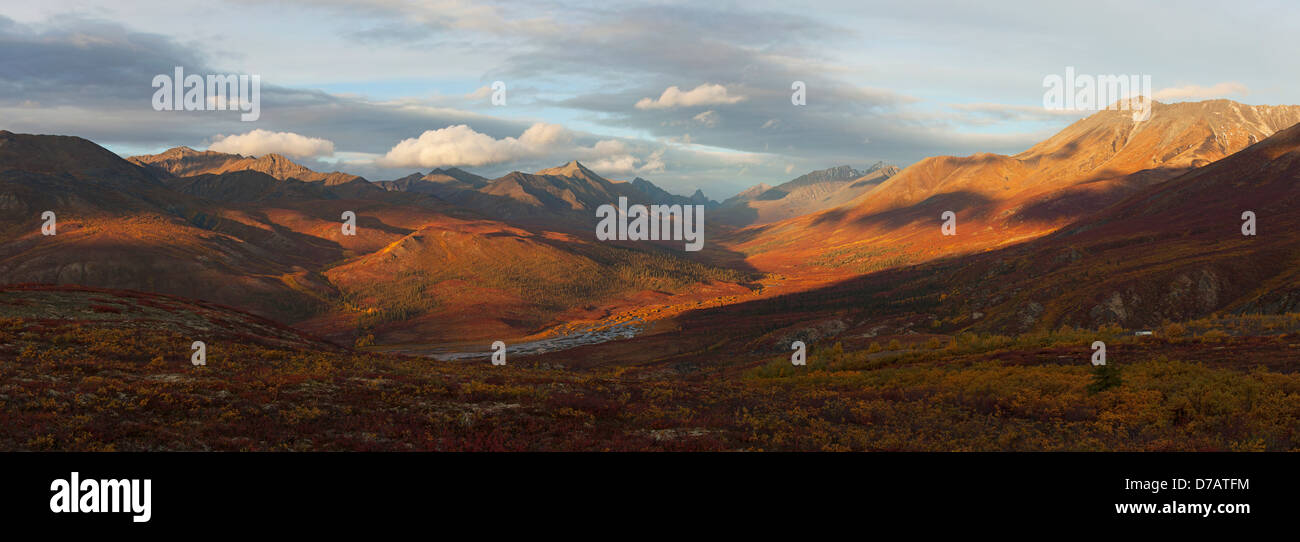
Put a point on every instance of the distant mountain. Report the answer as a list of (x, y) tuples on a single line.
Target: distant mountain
[(562, 196), (653, 191), (184, 161), (573, 169), (748, 194), (409, 183), (456, 176), (247, 186), (187, 162), (566, 193), (808, 193), (438, 181)]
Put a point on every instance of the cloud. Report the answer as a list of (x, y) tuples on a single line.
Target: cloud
[(460, 145), (101, 92), (539, 145), (70, 60), (260, 142), (976, 114), (655, 162), (708, 118), (705, 94), (614, 165), (628, 163), (1197, 92), (479, 94), (89, 77)]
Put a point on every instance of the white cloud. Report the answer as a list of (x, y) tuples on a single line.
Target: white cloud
[(624, 163), (708, 118), (705, 94), (979, 114), (460, 145), (628, 163), (479, 94), (260, 142), (654, 163), (608, 147), (1197, 92)]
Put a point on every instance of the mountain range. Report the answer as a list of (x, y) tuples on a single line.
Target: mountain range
[(250, 233), (1147, 214), (1003, 200), (1163, 253)]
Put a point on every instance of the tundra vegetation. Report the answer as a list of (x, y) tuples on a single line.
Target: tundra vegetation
[(118, 377)]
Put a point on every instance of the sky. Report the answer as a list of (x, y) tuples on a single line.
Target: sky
[(686, 94)]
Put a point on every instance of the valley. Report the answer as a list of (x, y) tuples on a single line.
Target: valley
[(917, 340)]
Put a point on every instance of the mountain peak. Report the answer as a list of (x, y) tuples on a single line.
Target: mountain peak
[(879, 165), (276, 158), (571, 169), (187, 162), (186, 152), (832, 174)]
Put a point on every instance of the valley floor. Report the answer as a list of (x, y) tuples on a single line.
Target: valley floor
[(99, 383)]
